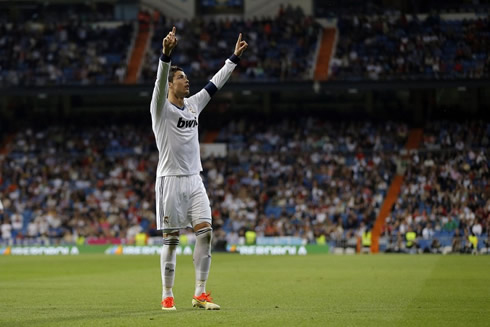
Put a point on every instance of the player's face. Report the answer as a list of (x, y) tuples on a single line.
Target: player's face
[(180, 84)]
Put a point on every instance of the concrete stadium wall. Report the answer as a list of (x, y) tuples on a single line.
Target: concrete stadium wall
[(252, 8), (267, 8), (173, 8)]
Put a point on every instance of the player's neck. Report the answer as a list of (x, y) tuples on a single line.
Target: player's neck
[(179, 102)]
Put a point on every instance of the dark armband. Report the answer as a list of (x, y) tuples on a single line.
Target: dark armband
[(165, 58), (235, 59), (211, 88)]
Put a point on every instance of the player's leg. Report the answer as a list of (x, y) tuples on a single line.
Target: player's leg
[(202, 264), (168, 261), (202, 256), (166, 203), (200, 215)]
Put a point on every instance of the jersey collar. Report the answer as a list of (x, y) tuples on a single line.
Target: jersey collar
[(176, 106)]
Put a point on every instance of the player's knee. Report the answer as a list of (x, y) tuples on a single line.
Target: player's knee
[(176, 233), (205, 233), (200, 226)]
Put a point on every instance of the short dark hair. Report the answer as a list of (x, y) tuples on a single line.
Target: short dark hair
[(172, 71)]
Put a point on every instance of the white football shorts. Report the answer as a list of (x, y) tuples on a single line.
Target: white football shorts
[(181, 202)]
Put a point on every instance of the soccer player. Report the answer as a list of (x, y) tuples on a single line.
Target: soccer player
[(181, 198)]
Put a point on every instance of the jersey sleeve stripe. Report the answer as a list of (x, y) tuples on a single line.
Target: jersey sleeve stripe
[(211, 88)]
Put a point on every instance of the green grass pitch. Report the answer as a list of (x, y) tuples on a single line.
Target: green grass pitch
[(313, 290)]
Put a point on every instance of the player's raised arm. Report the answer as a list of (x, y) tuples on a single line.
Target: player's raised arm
[(161, 83), (219, 79)]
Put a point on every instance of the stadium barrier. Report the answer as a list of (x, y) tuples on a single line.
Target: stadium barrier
[(444, 243), (264, 246), (293, 250), (90, 249), (155, 250)]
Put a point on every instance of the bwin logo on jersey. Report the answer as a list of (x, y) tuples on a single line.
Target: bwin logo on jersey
[(186, 123)]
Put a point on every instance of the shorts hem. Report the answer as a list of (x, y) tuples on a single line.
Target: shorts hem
[(171, 230), (202, 220)]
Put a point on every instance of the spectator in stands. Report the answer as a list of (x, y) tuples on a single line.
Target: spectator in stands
[(457, 245), (6, 229), (471, 245), (411, 239)]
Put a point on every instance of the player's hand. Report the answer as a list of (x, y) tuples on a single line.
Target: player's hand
[(169, 42), (240, 46)]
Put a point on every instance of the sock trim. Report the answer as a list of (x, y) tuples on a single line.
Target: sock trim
[(171, 240), (204, 230)]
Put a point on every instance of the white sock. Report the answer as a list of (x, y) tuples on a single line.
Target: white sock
[(200, 287), (202, 258), (168, 260)]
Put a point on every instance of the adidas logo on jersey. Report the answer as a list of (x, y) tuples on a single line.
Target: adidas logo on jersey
[(186, 123)]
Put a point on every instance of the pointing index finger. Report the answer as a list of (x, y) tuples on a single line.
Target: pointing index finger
[(239, 38), (173, 30)]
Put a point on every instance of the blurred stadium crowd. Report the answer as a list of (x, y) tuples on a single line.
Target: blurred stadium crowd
[(445, 194), (87, 46), (313, 179), (93, 48), (284, 46), (388, 47), (57, 44)]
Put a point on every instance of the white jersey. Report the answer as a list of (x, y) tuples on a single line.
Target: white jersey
[(176, 129)]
